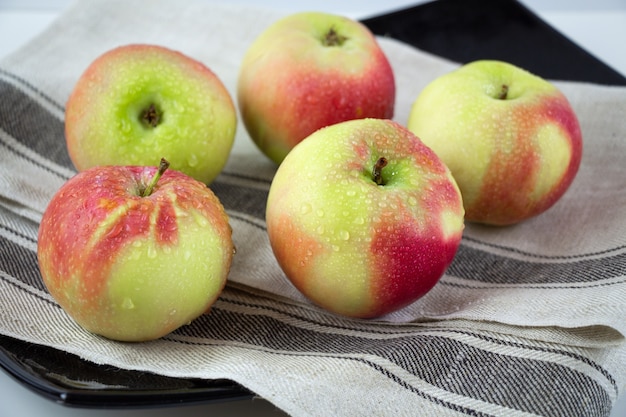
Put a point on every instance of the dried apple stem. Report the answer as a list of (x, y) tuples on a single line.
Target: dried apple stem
[(333, 38), (377, 174), (163, 166), (504, 92), (151, 116)]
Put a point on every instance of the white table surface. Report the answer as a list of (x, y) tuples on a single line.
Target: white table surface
[(598, 26)]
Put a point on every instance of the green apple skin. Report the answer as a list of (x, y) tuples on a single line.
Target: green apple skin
[(513, 155), (293, 82), (108, 120), (352, 246), (134, 268)]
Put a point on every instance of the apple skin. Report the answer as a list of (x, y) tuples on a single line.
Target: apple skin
[(134, 268), (291, 84), (197, 116), (514, 157), (352, 246)]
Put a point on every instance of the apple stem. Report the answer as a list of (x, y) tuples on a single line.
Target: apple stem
[(504, 92), (163, 166), (377, 171)]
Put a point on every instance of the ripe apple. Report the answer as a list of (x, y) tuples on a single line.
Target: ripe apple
[(363, 218), (510, 138), (137, 103), (309, 70), (132, 253)]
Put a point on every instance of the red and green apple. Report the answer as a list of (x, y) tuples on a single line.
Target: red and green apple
[(510, 138), (134, 252), (137, 103), (309, 70), (363, 218)]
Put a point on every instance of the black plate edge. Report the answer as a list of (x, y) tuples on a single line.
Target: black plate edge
[(68, 391)]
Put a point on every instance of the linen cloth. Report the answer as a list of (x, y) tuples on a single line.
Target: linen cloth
[(528, 319)]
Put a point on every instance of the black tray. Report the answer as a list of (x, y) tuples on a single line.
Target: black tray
[(467, 30), (460, 30)]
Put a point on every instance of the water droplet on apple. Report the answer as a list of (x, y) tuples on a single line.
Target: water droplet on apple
[(350, 193), (412, 201), (335, 248), (320, 229), (344, 235), (305, 208), (359, 220), (115, 230), (152, 252), (187, 255), (192, 160), (179, 106), (202, 221), (320, 213), (128, 304), (124, 126), (311, 99)]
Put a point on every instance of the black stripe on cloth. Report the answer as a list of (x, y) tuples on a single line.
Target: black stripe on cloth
[(32, 125), (250, 201), (19, 262), (530, 385), (264, 182), (21, 154), (245, 219), (448, 283), (478, 265), (541, 256), (32, 88)]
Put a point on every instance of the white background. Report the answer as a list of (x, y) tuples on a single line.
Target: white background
[(599, 26)]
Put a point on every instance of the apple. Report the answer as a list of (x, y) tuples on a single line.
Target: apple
[(137, 103), (363, 218), (510, 138), (132, 253), (309, 70)]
